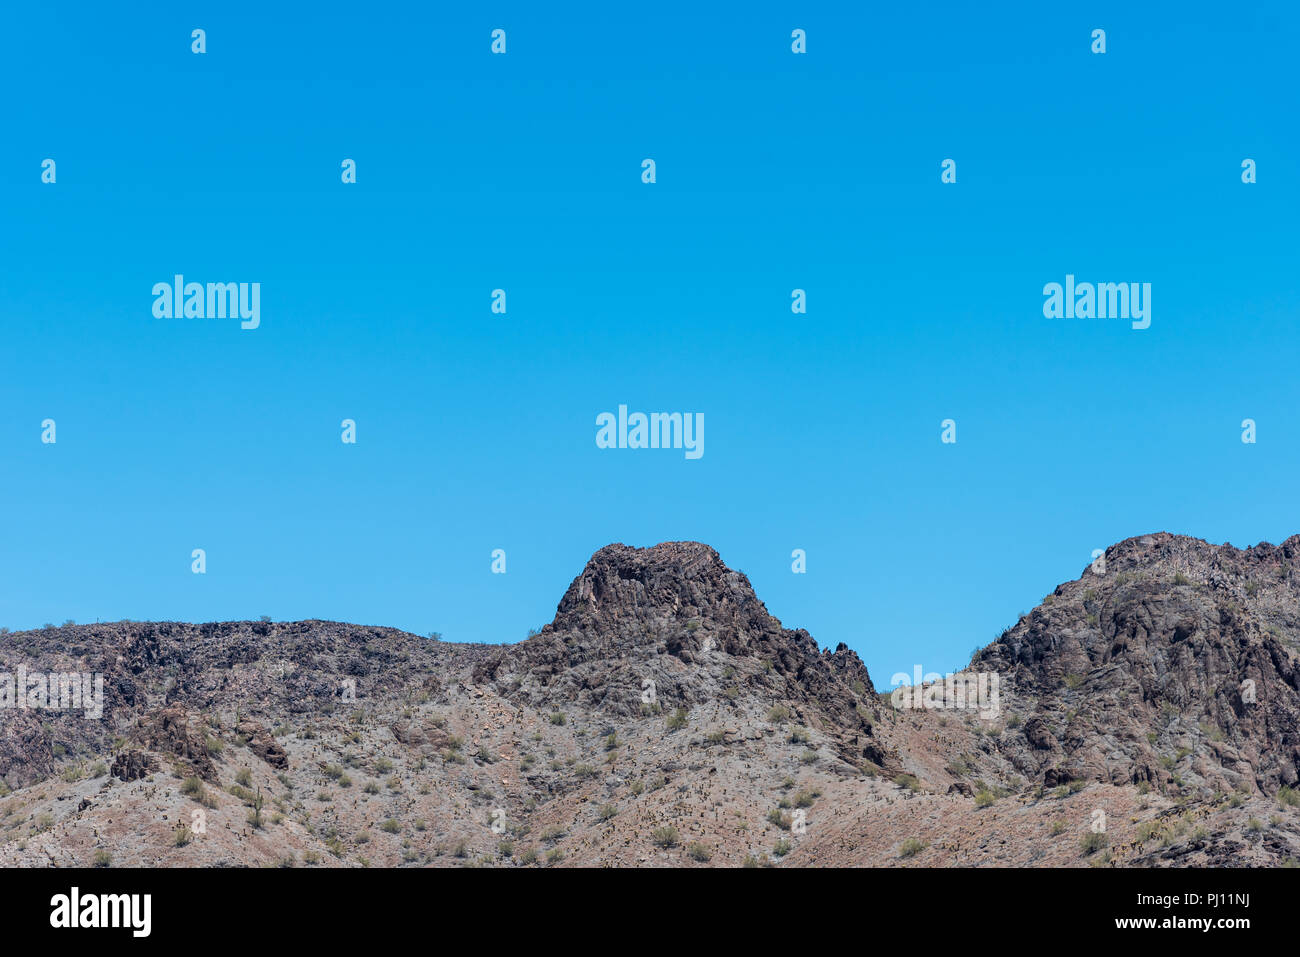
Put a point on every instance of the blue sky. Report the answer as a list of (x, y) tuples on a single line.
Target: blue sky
[(775, 171)]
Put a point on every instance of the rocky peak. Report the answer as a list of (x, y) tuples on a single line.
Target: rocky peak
[(673, 580), (676, 619), (1175, 663)]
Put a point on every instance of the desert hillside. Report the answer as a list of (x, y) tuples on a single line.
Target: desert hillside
[(1146, 715)]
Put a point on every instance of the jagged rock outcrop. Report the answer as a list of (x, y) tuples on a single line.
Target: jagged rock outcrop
[(261, 743), (673, 626), (132, 766), (173, 732), (1172, 661)]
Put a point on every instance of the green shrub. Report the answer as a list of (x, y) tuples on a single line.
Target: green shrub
[(911, 847), (1092, 842), (664, 837), (806, 798)]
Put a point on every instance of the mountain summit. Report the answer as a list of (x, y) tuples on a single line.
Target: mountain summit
[(673, 626)]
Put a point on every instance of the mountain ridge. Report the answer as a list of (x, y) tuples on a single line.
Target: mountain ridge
[(665, 716)]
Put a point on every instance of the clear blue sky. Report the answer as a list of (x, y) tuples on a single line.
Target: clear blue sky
[(775, 171)]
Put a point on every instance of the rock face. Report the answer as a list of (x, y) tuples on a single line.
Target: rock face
[(171, 731), (1176, 662), (132, 766), (1160, 687), (261, 743), (644, 628)]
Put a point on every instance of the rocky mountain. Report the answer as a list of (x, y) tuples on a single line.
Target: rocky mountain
[(1179, 648), (1143, 714), (675, 621)]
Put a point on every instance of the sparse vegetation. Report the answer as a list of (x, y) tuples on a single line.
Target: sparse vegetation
[(664, 837), (1092, 842), (778, 714), (698, 852), (911, 847)]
